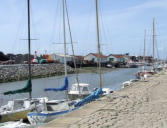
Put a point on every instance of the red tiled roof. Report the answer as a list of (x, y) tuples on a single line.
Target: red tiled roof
[(98, 55)]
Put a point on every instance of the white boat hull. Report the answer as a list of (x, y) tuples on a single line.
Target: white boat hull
[(14, 116), (18, 109), (77, 96), (40, 118)]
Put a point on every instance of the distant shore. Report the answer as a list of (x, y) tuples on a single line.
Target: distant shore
[(141, 105), (18, 72)]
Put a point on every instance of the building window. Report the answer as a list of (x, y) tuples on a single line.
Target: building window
[(111, 59)]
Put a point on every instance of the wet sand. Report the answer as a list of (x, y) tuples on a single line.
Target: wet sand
[(141, 105)]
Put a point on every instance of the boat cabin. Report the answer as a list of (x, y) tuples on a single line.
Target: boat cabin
[(80, 88)]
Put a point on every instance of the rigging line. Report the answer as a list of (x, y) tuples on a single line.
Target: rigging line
[(102, 23), (98, 43), (71, 39), (150, 42), (156, 46), (54, 24), (102, 27), (34, 32), (18, 32), (90, 23), (60, 25)]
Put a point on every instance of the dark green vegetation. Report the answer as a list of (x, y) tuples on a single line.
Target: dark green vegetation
[(3, 57)]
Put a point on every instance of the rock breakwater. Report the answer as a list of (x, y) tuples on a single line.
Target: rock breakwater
[(20, 72)]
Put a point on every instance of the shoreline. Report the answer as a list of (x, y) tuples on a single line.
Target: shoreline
[(141, 105), (13, 73), (16, 73)]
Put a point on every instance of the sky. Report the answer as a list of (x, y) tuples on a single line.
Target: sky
[(122, 24)]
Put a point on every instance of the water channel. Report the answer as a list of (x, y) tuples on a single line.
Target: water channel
[(112, 79)]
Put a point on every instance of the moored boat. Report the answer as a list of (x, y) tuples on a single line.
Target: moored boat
[(17, 109), (50, 111), (144, 74), (79, 91)]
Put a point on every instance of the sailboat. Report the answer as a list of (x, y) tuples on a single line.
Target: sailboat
[(55, 108), (18, 108), (145, 73), (106, 91), (81, 90)]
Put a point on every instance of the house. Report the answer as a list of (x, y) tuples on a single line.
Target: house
[(78, 59), (93, 57), (60, 58), (115, 58)]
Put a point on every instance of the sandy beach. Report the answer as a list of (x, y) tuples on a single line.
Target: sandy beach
[(141, 105)]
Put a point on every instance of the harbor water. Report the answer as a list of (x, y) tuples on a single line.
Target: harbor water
[(112, 79)]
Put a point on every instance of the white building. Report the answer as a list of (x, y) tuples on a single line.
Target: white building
[(60, 57), (93, 57)]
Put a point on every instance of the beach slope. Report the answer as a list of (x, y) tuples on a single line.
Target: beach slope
[(141, 105)]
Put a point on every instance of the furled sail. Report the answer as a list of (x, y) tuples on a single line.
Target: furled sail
[(63, 88), (26, 89), (94, 95)]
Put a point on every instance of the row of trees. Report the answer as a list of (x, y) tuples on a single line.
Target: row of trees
[(18, 58)]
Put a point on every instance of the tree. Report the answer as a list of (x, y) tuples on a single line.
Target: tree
[(3, 57)]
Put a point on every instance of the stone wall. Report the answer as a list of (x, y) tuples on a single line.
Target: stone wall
[(20, 72)]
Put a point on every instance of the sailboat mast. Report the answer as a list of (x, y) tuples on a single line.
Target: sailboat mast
[(144, 52), (98, 44), (29, 43), (72, 47), (153, 41), (144, 45), (64, 35)]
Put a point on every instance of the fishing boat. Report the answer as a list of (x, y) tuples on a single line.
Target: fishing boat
[(18, 108)]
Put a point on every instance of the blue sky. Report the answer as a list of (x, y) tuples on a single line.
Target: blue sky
[(122, 25)]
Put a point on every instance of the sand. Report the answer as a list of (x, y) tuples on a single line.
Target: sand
[(141, 105)]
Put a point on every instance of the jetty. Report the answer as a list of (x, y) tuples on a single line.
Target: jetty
[(143, 104)]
